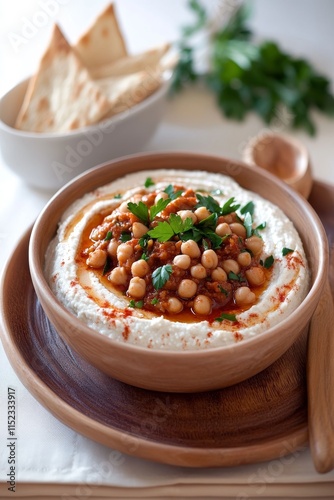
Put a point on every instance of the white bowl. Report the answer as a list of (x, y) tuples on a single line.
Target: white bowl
[(51, 160)]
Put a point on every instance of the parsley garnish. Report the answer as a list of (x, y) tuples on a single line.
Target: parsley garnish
[(235, 277), (230, 206), (148, 182), (286, 251), (143, 240), (248, 208), (118, 196), (107, 266), (171, 194), (154, 301), (248, 222), (164, 231), (208, 202), (125, 237), (140, 210), (144, 256), (159, 207), (136, 304), (108, 236), (222, 290), (161, 275), (229, 317), (268, 262)]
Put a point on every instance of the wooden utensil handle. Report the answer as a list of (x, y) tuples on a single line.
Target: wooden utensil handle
[(320, 381)]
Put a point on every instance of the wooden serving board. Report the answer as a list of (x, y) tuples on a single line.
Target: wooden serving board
[(259, 419)]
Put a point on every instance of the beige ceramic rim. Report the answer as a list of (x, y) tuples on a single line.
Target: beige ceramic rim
[(103, 174)]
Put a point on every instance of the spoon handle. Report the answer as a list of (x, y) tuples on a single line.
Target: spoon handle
[(320, 381)]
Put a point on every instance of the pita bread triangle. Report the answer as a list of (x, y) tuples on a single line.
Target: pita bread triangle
[(61, 96), (131, 63), (103, 43)]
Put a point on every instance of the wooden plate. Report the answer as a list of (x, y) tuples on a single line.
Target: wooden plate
[(259, 419)]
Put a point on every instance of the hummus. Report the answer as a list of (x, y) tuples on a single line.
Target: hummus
[(167, 260)]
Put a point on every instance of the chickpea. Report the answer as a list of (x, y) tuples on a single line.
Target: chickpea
[(97, 258), (209, 259), (244, 296), (202, 304), (182, 261), (187, 289), (223, 229), (112, 247), (187, 214), (198, 271), (137, 287), (238, 229), (244, 259), (124, 207), (124, 252), (139, 229), (202, 213), (160, 196), (254, 244), (255, 276), (230, 265), (140, 268), (218, 274), (174, 305), (190, 248), (118, 276)]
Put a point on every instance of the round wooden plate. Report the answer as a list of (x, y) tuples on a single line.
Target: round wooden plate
[(259, 419)]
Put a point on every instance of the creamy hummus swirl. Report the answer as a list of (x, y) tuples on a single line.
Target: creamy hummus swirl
[(110, 310)]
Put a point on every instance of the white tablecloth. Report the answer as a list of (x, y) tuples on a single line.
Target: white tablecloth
[(52, 460)]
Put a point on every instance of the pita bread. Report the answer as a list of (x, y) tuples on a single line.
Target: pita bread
[(103, 43), (61, 96), (124, 92), (131, 64)]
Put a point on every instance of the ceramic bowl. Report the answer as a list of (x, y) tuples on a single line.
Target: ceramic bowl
[(188, 371), (49, 161)]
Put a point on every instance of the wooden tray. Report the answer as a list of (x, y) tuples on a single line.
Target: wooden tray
[(259, 419)]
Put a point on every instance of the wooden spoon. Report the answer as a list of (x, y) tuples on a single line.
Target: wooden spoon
[(288, 159)]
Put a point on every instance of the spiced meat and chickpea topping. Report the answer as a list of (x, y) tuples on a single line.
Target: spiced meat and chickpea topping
[(178, 262)]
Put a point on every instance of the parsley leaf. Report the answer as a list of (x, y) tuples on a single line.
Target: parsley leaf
[(229, 317), (144, 256), (107, 266), (108, 236), (248, 208), (140, 210), (171, 193), (248, 223), (136, 304), (125, 236), (162, 232), (161, 275), (232, 276), (154, 301), (149, 182), (268, 262), (229, 207), (118, 196), (208, 202), (159, 207), (143, 240), (178, 225), (286, 251)]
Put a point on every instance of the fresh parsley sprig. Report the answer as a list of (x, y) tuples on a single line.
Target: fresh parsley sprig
[(249, 76), (161, 275), (164, 231)]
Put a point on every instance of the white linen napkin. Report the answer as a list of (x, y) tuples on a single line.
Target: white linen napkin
[(53, 461)]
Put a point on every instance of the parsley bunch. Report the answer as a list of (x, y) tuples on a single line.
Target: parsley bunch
[(247, 76)]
